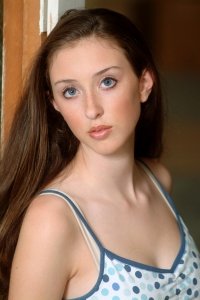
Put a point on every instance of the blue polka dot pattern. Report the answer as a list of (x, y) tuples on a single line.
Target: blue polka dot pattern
[(195, 265), (161, 276), (157, 285), (194, 254), (136, 290), (127, 268), (170, 280), (182, 276), (178, 291), (196, 294), (105, 278), (111, 271), (127, 292), (121, 278), (105, 292), (115, 286), (119, 267), (126, 280), (189, 292), (138, 274), (150, 287), (195, 281)]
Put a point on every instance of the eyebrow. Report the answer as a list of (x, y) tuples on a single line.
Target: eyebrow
[(95, 75), (105, 70)]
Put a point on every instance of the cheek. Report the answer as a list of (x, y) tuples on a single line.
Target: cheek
[(127, 102), (73, 121), (128, 111)]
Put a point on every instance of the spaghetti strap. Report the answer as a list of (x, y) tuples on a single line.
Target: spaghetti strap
[(159, 187), (90, 240)]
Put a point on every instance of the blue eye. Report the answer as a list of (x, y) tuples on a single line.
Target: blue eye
[(108, 82), (70, 92)]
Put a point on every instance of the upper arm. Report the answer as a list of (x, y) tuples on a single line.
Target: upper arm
[(161, 173), (44, 252)]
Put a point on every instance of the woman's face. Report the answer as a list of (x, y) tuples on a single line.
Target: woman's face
[(97, 92)]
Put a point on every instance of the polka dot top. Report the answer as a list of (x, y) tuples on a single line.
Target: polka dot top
[(123, 279)]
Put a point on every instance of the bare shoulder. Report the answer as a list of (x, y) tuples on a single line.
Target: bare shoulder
[(50, 221), (160, 172), (46, 247), (52, 214)]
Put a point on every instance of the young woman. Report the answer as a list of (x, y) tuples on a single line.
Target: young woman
[(85, 210)]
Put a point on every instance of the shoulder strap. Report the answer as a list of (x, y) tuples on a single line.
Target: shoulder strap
[(86, 231), (159, 187)]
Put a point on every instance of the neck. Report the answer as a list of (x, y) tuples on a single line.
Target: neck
[(110, 174)]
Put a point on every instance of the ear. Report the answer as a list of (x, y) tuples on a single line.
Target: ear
[(55, 104), (146, 84), (51, 99)]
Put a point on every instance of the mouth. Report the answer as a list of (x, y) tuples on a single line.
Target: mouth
[(100, 132), (98, 128)]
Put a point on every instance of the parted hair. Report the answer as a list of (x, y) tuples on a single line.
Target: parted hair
[(40, 144)]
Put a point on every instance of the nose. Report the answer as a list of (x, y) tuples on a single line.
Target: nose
[(93, 107)]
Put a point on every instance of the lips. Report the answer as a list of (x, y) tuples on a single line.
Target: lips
[(98, 128), (100, 131)]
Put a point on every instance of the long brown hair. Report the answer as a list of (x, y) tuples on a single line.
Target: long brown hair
[(41, 145)]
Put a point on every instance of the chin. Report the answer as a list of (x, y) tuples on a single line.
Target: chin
[(111, 150)]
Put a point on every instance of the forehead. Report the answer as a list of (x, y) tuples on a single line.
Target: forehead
[(88, 42), (88, 52)]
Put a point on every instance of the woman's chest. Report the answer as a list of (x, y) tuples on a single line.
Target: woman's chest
[(143, 234)]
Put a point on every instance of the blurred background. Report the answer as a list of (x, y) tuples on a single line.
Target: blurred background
[(172, 31)]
